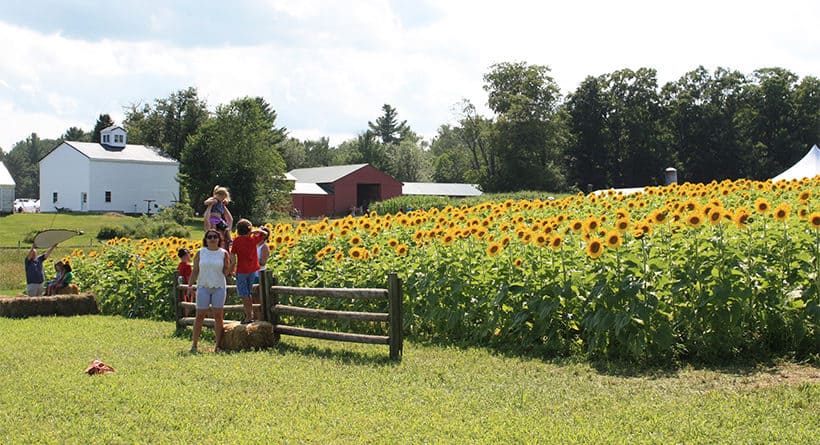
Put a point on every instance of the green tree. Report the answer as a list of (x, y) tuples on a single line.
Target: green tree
[(76, 134), (23, 163), (318, 153), (293, 153), (238, 148), (103, 122), (638, 152), (588, 109), (701, 109), (409, 162), (168, 124), (388, 128), (451, 160), (529, 137)]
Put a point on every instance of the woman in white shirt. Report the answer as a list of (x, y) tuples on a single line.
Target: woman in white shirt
[(211, 265)]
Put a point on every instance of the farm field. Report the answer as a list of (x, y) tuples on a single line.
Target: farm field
[(691, 272), (320, 392)]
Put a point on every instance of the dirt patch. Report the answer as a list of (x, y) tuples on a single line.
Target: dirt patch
[(783, 374), (114, 214)]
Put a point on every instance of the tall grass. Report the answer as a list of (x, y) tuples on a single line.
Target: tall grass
[(308, 391)]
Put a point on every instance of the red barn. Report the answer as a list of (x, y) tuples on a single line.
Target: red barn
[(338, 189)]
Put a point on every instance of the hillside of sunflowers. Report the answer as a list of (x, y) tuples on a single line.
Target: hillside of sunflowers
[(681, 272)]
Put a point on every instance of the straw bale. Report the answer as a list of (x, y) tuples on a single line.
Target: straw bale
[(64, 305), (256, 335)]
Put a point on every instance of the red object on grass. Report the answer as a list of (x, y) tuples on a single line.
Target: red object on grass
[(98, 367)]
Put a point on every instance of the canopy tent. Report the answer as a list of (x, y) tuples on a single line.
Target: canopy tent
[(808, 167)]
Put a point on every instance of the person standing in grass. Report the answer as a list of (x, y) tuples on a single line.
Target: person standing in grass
[(263, 252), (34, 271), (211, 265), (184, 270), (245, 258)]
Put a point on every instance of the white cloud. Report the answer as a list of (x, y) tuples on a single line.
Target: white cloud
[(332, 65)]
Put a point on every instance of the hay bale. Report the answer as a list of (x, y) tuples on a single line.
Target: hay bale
[(64, 305), (239, 337), (71, 289)]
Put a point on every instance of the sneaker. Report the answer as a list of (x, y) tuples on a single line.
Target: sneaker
[(193, 350)]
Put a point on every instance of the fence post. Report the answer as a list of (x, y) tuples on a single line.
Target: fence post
[(273, 300), (394, 295), (175, 300), (264, 290)]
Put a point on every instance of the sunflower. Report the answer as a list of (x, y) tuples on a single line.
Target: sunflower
[(814, 220), (401, 249), (694, 219), (622, 224), (541, 239), (356, 253), (643, 227), (741, 217), (393, 242), (320, 254), (762, 205), (613, 239), (576, 225), (338, 257), (494, 249), (591, 224), (518, 262), (505, 240), (804, 196), (782, 211), (595, 248), (715, 216), (355, 240), (375, 249), (449, 237), (659, 216)]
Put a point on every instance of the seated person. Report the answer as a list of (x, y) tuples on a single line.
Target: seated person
[(67, 278)]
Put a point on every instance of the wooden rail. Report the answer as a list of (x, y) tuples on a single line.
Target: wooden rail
[(271, 310)]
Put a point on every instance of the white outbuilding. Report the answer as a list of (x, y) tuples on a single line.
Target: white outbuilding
[(7, 187), (110, 176)]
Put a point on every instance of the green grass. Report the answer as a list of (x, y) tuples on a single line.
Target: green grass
[(14, 228), (323, 392)]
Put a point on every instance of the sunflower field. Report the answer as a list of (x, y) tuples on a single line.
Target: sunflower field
[(682, 272)]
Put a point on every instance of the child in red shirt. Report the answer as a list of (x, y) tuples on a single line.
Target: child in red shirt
[(245, 260), (184, 269)]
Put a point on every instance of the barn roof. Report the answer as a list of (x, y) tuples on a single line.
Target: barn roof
[(322, 175), (129, 153), (307, 188), (5, 176), (439, 189)]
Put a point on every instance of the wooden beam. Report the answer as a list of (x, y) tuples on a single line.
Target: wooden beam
[(328, 335), (361, 294), (227, 307), (281, 309)]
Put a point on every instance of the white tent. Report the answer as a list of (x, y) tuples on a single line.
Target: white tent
[(7, 187), (808, 167)]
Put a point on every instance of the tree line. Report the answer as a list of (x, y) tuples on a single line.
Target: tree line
[(619, 129)]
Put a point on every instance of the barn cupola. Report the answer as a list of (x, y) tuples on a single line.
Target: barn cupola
[(113, 137)]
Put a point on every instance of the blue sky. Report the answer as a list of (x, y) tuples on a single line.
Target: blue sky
[(328, 66)]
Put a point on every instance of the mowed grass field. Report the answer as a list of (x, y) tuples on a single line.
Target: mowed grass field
[(14, 228), (310, 391)]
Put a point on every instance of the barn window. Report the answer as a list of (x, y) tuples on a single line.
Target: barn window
[(118, 138), (54, 197), (105, 138), (108, 196)]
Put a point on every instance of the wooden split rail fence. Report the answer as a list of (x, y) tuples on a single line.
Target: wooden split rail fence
[(272, 309)]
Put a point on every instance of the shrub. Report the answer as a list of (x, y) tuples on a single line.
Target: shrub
[(111, 232)]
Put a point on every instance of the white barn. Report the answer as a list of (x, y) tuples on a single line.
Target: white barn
[(7, 187), (110, 176)]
